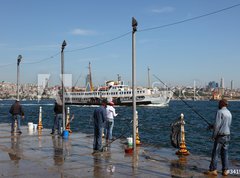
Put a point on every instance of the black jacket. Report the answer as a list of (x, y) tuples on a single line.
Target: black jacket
[(58, 109), (16, 109)]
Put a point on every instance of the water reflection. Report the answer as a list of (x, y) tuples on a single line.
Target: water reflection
[(178, 167), (62, 149), (58, 150), (16, 153), (97, 165)]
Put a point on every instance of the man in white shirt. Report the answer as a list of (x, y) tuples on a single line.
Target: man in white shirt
[(110, 120)]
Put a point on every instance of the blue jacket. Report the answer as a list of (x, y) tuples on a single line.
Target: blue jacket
[(222, 123), (100, 116)]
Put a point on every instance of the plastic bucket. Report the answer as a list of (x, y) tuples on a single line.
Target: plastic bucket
[(65, 134), (34, 126), (30, 126), (130, 141)]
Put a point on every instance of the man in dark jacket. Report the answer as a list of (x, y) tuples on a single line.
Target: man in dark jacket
[(99, 116), (58, 117), (17, 112)]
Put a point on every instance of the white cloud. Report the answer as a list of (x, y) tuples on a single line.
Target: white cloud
[(166, 9), (83, 32)]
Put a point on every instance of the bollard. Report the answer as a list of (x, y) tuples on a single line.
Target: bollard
[(68, 121), (183, 149), (40, 126), (137, 134)]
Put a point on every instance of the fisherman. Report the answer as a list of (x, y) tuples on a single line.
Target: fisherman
[(99, 117), (110, 120), (58, 116), (17, 113), (176, 133), (221, 137)]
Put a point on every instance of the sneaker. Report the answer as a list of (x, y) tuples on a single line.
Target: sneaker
[(20, 132), (225, 172), (213, 173)]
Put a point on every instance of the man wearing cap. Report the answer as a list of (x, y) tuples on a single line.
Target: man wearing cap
[(221, 137), (99, 117), (110, 120), (17, 112)]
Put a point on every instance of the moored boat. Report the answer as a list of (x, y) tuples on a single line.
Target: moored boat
[(120, 94)]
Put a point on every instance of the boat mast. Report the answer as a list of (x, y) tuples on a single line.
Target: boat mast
[(149, 77), (90, 76)]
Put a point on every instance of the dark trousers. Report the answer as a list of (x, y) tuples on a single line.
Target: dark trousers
[(221, 145), (18, 118), (57, 123), (97, 142)]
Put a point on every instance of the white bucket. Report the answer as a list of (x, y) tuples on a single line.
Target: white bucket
[(30, 126), (35, 126), (130, 140)]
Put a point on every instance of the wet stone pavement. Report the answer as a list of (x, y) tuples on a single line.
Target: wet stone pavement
[(39, 154)]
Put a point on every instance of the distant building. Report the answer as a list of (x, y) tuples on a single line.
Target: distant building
[(222, 83)]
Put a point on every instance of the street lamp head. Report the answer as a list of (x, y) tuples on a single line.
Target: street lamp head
[(19, 59), (63, 45), (134, 24)]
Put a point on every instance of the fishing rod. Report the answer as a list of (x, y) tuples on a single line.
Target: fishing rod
[(184, 102), (123, 132)]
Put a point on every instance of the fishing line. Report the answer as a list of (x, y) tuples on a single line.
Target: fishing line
[(196, 112), (122, 134)]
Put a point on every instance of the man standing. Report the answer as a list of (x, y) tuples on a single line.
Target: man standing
[(58, 116), (221, 137), (110, 120), (99, 117), (17, 112)]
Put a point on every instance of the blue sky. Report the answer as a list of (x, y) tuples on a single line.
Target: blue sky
[(204, 50)]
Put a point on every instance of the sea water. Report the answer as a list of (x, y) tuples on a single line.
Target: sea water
[(154, 122)]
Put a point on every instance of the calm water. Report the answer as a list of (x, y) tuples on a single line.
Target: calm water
[(154, 122)]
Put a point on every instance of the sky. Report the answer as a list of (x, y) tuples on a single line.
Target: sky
[(202, 50)]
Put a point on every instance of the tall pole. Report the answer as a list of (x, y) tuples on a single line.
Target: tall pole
[(62, 72), (134, 29), (18, 64)]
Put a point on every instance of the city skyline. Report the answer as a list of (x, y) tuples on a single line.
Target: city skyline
[(205, 49)]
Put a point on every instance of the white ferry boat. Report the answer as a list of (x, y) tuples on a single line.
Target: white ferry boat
[(120, 94)]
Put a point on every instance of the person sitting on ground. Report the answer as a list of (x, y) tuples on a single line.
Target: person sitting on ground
[(17, 113)]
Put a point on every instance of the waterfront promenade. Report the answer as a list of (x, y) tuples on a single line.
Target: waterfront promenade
[(39, 154)]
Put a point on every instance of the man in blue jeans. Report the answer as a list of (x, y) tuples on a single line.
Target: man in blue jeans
[(111, 113), (58, 110), (17, 112), (221, 137), (99, 118)]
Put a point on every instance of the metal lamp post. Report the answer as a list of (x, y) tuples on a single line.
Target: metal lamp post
[(18, 64), (62, 72), (134, 29)]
